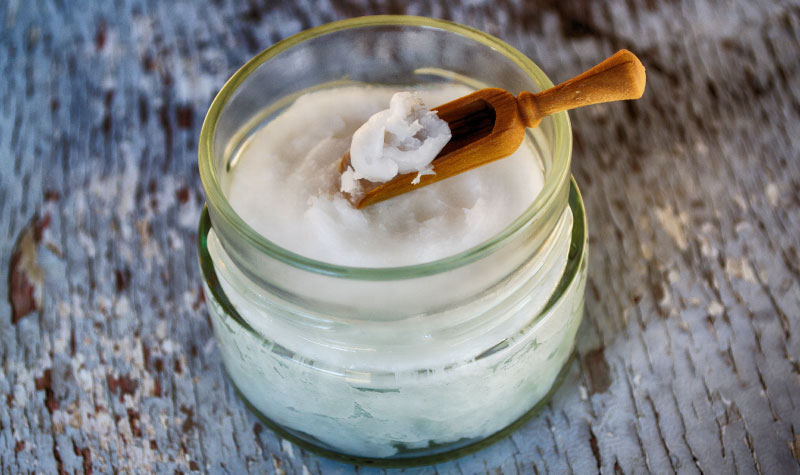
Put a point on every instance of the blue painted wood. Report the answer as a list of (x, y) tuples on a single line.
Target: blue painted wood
[(687, 360)]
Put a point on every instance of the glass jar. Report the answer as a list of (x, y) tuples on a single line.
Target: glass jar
[(401, 363)]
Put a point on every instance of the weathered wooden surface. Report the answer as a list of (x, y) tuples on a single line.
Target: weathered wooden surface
[(688, 357)]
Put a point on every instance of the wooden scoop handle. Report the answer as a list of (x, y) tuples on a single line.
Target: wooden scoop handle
[(618, 78)]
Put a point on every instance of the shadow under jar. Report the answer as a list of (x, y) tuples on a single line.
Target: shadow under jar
[(402, 364)]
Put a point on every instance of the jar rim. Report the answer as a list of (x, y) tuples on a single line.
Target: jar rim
[(562, 151)]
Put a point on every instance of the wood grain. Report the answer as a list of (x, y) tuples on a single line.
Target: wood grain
[(619, 77), (688, 357)]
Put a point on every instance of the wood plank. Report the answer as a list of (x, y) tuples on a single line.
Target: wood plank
[(688, 357)]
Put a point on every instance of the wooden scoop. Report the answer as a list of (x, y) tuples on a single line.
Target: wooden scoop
[(490, 123)]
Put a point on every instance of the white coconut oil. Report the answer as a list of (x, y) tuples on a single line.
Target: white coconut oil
[(390, 367)]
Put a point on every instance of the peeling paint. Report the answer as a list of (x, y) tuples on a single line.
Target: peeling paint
[(26, 278), (740, 268), (715, 309), (773, 194), (673, 224)]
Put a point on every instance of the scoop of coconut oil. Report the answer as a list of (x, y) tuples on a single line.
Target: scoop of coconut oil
[(404, 138)]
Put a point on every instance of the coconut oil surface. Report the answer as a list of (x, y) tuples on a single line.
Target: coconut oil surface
[(286, 186)]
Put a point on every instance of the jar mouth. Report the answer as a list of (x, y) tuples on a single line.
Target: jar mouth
[(554, 181)]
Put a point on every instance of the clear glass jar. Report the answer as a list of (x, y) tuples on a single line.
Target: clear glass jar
[(401, 363)]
